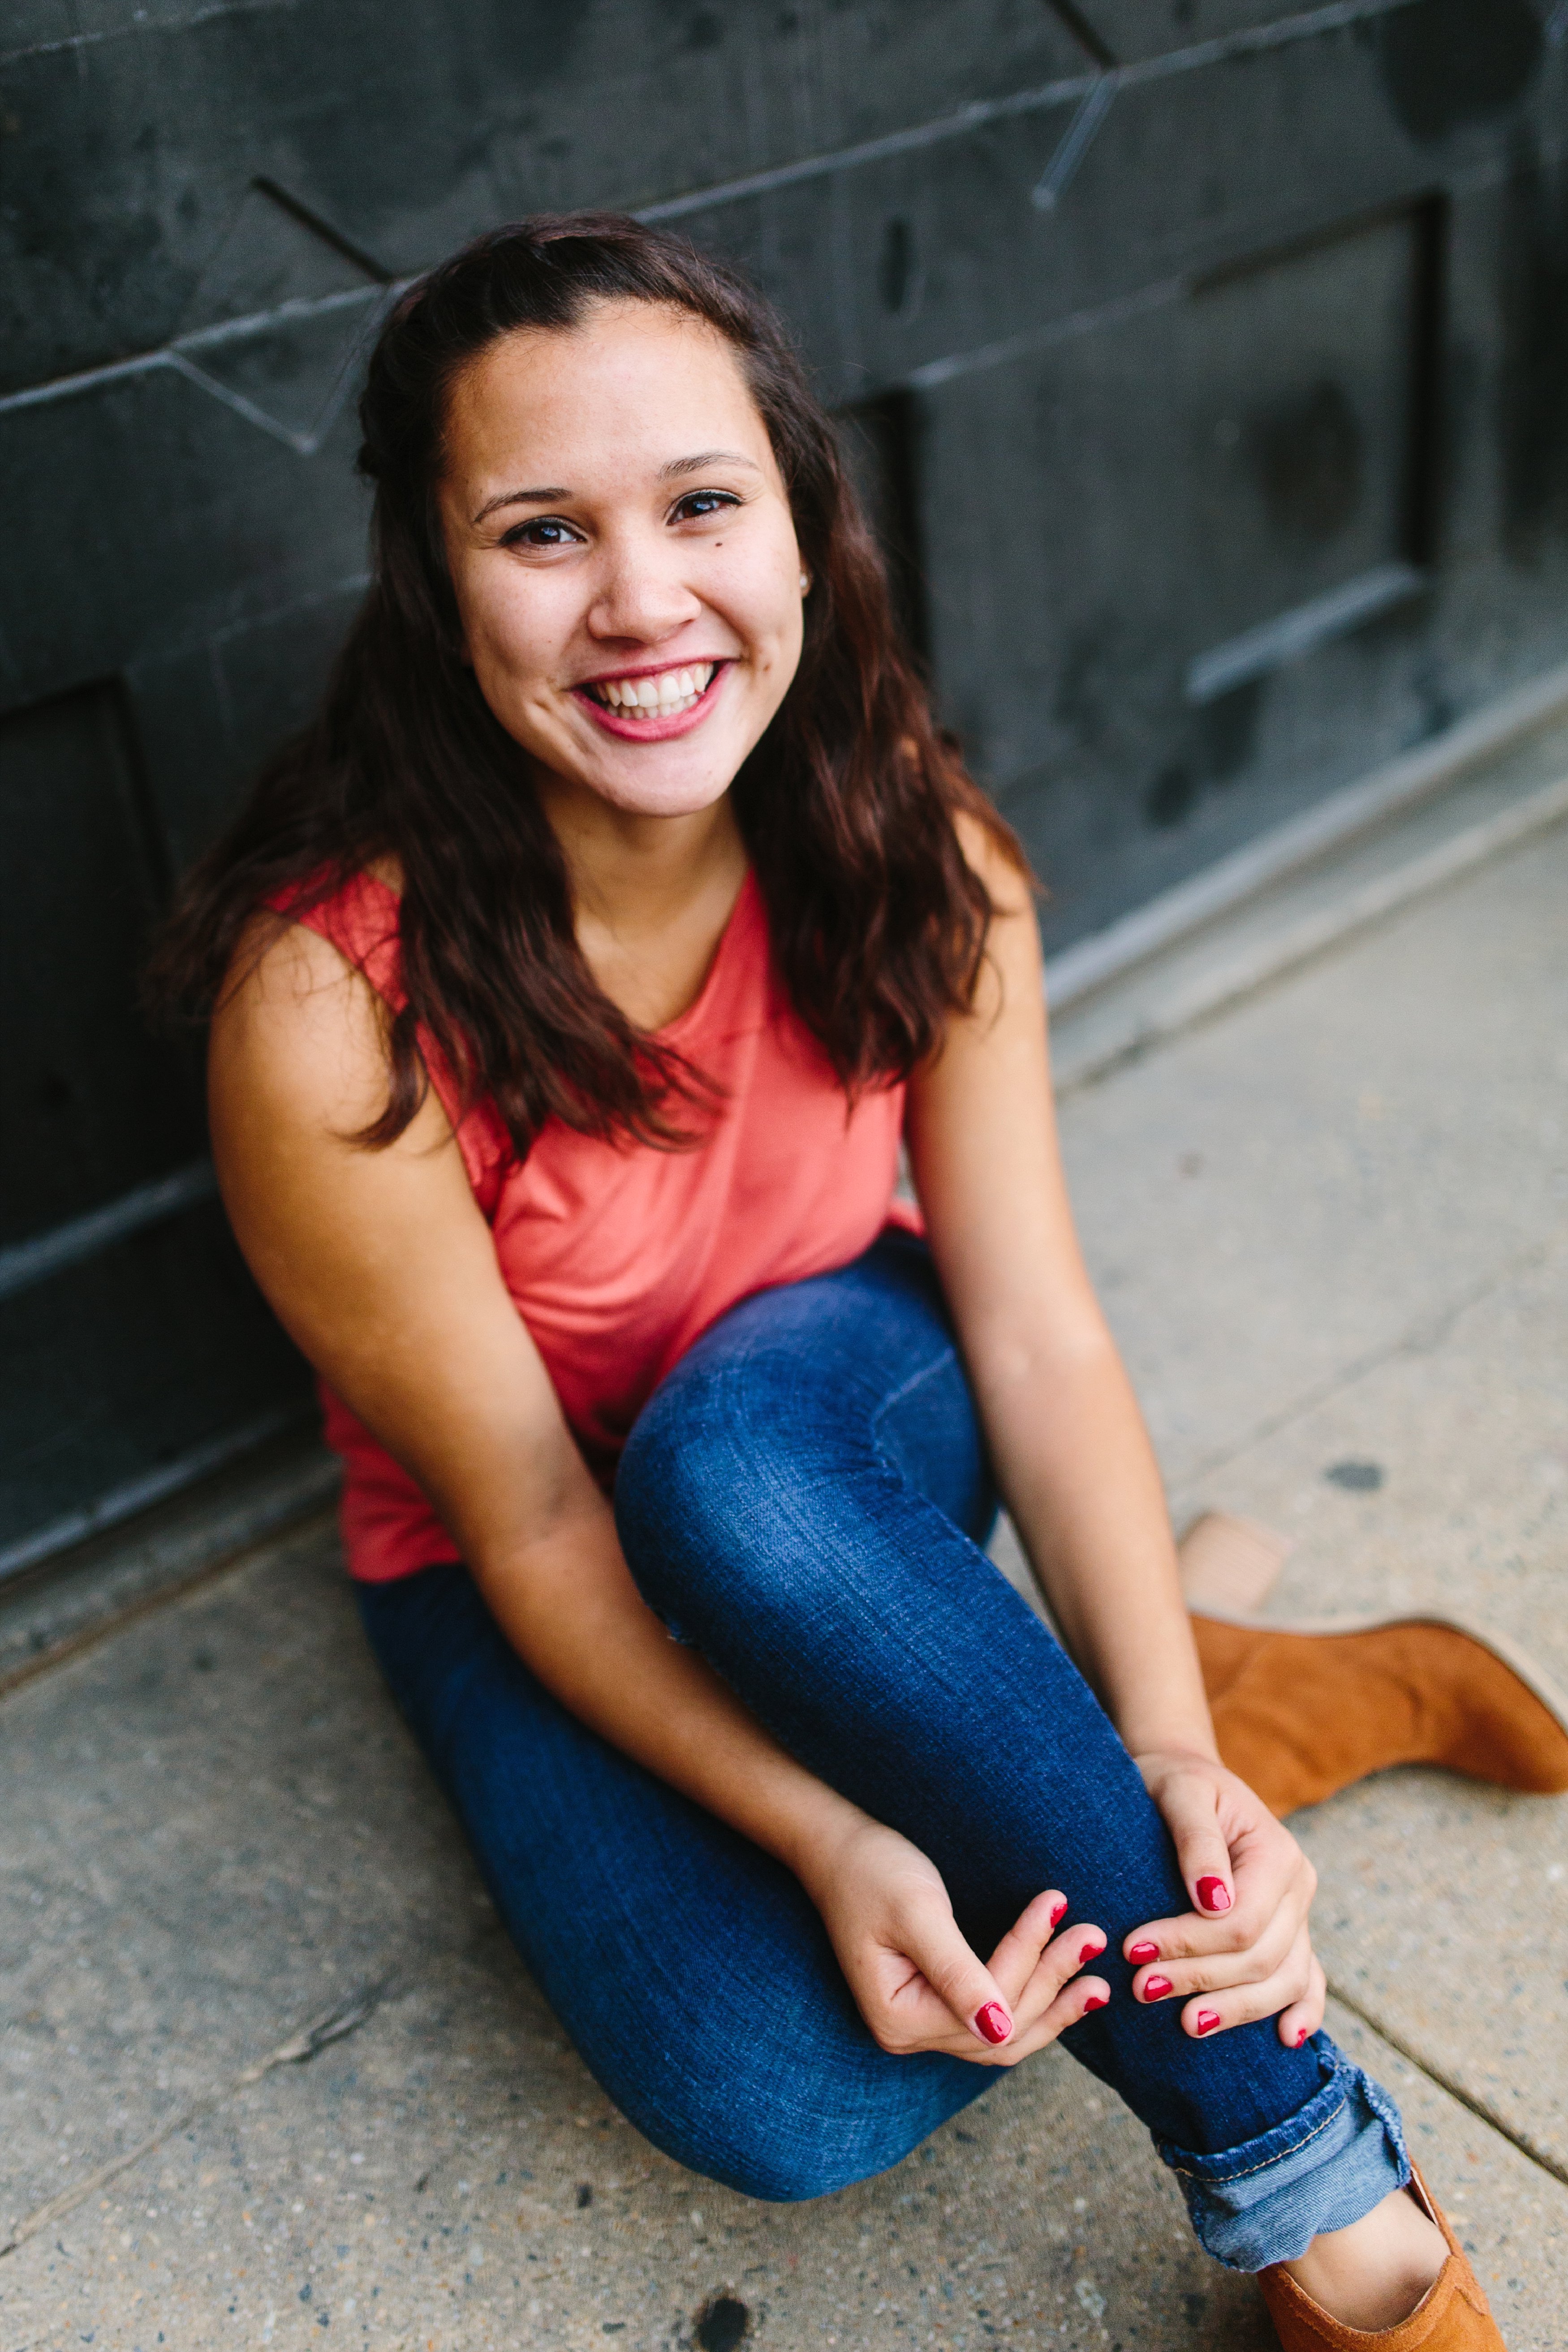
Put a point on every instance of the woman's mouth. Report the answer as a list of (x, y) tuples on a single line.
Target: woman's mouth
[(654, 704)]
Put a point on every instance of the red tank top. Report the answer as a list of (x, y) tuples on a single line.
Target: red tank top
[(617, 1255)]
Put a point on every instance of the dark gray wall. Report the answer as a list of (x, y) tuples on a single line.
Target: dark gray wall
[(1206, 363)]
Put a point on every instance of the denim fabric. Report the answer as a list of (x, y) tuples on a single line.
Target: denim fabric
[(804, 1498), (1323, 2168)]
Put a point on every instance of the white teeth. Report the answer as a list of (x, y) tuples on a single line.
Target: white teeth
[(673, 690)]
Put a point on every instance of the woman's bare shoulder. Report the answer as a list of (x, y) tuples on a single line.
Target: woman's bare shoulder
[(297, 1027), (1007, 884)]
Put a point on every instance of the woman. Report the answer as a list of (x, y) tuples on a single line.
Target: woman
[(576, 977)]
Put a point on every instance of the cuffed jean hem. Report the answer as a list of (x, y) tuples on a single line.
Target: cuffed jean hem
[(1331, 2163)]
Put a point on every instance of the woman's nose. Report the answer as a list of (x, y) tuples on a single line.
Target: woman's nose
[(643, 594)]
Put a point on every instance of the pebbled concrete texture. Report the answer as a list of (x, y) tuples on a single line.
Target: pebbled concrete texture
[(218, 1836), (1510, 2217), (1333, 1232), (1445, 1905), (229, 1834), (1325, 1174)]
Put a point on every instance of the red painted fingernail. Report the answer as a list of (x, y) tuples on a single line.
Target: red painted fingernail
[(1096, 2000), (1155, 1987), (1142, 1953), (1059, 1912), (1214, 1894), (994, 2021), (1300, 2037), (1090, 1952), (1206, 2021)]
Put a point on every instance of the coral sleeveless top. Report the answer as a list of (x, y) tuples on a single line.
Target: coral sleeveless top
[(619, 1255)]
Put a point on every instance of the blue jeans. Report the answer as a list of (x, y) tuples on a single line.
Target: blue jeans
[(804, 1498)]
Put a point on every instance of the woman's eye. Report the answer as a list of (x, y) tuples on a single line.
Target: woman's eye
[(696, 504), (544, 531)]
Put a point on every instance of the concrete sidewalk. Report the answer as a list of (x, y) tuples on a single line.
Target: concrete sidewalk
[(272, 2073)]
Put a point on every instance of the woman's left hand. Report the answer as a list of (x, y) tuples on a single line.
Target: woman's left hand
[(1243, 1952)]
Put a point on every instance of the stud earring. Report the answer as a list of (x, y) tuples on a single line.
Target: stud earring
[(805, 582)]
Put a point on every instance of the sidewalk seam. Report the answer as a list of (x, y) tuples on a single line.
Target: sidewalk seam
[(1477, 2107), (333, 2025)]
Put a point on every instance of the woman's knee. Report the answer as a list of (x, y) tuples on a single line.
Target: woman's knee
[(681, 1462), (770, 2083), (780, 2155), (708, 1485), (776, 2177)]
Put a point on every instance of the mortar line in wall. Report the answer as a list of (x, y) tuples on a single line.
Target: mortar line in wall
[(140, 25), (1068, 90), (1289, 29), (1450, 2083), (351, 583), (976, 116)]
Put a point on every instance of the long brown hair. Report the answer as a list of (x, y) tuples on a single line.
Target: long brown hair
[(846, 806)]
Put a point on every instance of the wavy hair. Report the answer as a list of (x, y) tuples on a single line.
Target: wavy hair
[(846, 806)]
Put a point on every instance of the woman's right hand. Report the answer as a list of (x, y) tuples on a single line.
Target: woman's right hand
[(915, 1980)]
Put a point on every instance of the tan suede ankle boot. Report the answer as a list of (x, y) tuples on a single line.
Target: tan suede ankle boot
[(1302, 1709), (1452, 2317)]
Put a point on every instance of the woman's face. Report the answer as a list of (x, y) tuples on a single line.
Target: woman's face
[(623, 554)]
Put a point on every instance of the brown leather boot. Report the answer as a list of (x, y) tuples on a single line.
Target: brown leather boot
[(1302, 1709), (1452, 2317)]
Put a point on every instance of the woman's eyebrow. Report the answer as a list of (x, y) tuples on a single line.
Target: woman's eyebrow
[(521, 498), (706, 457)]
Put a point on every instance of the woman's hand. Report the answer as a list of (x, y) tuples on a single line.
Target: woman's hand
[(917, 1982), (1243, 1952)]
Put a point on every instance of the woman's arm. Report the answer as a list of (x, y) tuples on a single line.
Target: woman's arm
[(1067, 1440), (382, 1269), (1072, 1459)]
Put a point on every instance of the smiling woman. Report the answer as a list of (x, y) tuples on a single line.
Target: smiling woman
[(574, 981), (606, 599), (542, 533)]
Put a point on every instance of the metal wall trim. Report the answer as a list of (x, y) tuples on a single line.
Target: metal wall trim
[(27, 1263), (1072, 89), (138, 1494), (1290, 636), (1090, 93), (1328, 825)]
